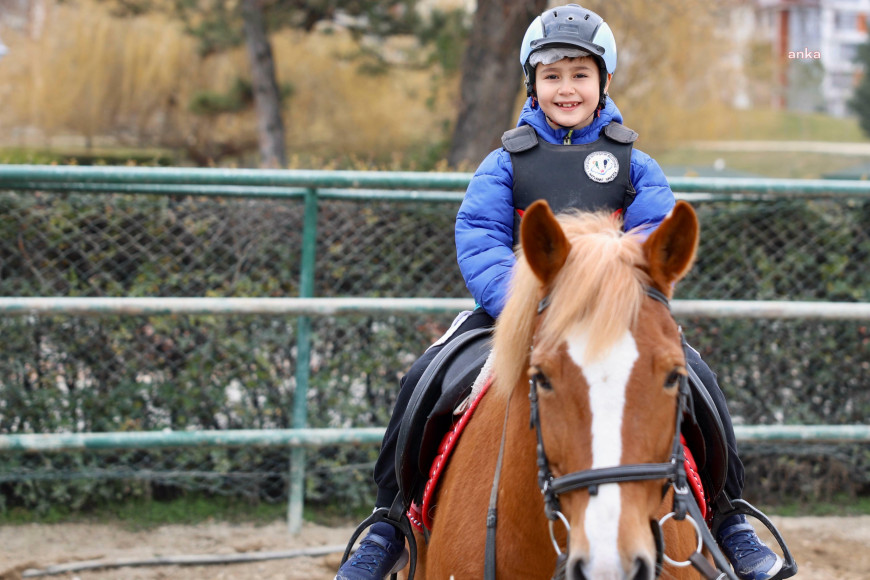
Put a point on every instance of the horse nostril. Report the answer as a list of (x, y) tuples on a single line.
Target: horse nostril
[(642, 570), (575, 569)]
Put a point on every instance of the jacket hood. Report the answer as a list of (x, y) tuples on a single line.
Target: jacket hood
[(536, 118)]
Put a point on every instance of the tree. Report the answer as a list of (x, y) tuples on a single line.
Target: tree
[(860, 101), (491, 76), (267, 96), (670, 61), (222, 24)]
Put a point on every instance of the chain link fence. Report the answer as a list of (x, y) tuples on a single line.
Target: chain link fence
[(65, 373)]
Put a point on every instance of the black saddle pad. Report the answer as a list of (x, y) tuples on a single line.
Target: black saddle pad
[(705, 435), (445, 383)]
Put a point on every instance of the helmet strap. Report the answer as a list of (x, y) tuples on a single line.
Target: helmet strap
[(602, 71)]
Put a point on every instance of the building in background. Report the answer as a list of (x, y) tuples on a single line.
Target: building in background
[(807, 48)]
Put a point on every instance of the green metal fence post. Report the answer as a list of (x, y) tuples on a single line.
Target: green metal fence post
[(303, 357)]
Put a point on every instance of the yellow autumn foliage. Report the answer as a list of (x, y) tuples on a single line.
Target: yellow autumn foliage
[(129, 81), (96, 79)]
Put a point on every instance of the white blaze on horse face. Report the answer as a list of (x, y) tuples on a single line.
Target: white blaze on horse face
[(607, 378)]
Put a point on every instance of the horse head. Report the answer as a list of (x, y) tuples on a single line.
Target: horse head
[(588, 325)]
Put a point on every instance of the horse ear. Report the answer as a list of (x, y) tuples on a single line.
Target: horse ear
[(544, 243), (670, 250)]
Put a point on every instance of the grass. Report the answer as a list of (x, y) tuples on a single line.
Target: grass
[(765, 124), (93, 156), (198, 508), (761, 125), (19, 155), (842, 505), (140, 514), (767, 164), (187, 509)]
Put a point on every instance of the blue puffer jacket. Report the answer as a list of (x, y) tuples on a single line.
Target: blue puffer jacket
[(484, 224)]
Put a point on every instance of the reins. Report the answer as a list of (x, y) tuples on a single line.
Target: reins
[(673, 472), (492, 511)]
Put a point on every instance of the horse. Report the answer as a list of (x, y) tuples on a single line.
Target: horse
[(587, 351)]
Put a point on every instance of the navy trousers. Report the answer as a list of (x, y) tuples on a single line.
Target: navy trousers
[(385, 467), (735, 478)]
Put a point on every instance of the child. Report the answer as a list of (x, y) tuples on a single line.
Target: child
[(569, 148)]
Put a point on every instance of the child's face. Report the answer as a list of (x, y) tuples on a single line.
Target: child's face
[(568, 91)]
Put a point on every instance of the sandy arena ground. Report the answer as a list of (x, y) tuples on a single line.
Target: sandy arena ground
[(826, 549)]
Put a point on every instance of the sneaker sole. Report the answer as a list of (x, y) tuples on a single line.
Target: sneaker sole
[(770, 573), (402, 562), (404, 557), (776, 568)]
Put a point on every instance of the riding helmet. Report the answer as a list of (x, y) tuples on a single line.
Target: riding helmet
[(570, 26)]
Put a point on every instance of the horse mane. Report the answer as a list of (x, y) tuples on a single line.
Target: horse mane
[(599, 289)]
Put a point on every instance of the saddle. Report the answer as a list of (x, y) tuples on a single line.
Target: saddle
[(445, 383), (448, 379), (704, 433)]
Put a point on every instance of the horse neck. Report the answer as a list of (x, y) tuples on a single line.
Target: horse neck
[(464, 495), (520, 453)]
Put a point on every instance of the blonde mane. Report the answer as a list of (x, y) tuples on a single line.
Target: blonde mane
[(599, 289)]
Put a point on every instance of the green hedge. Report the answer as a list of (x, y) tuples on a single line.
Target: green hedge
[(117, 373)]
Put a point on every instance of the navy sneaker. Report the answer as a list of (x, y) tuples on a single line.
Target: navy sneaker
[(751, 558), (381, 553)]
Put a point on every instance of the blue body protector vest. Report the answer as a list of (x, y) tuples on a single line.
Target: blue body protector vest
[(589, 177)]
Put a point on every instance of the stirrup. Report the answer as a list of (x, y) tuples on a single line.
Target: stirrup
[(730, 507), (396, 516)]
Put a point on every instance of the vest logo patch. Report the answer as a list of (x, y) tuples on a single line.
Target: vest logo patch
[(601, 166)]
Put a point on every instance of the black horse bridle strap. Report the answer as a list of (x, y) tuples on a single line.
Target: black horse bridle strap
[(489, 562), (592, 478)]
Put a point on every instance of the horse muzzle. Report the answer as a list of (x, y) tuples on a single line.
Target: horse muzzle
[(642, 567)]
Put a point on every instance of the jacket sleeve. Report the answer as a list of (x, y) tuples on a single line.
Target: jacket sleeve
[(654, 197), (484, 232)]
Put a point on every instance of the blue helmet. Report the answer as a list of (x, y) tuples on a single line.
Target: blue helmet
[(570, 26)]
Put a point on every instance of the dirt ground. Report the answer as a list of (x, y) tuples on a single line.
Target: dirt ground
[(825, 548)]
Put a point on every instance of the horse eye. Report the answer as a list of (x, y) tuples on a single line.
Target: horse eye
[(673, 379), (541, 380)]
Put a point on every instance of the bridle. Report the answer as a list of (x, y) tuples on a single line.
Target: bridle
[(672, 471)]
